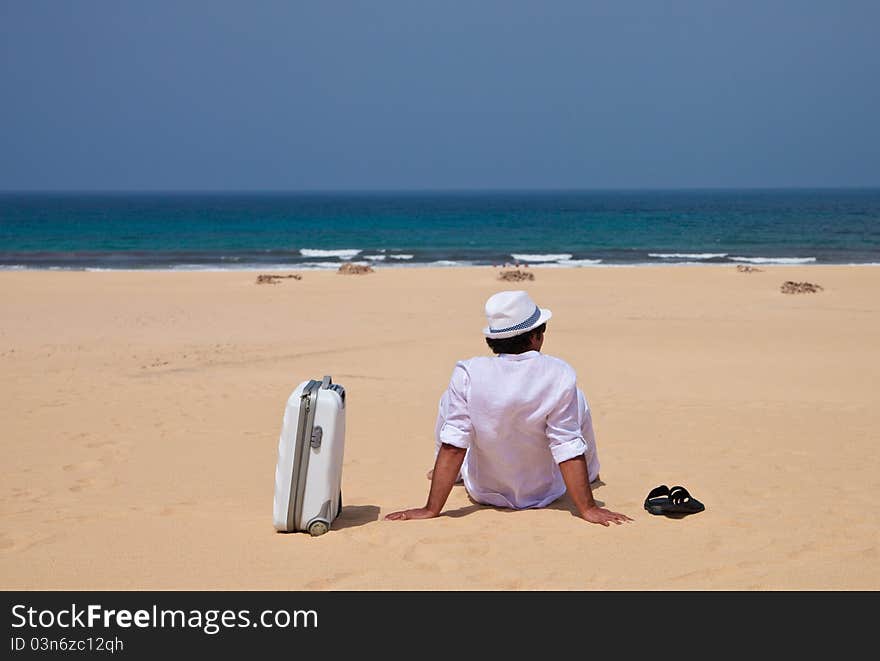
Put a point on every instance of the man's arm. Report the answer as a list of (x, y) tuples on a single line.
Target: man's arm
[(574, 473), (446, 468)]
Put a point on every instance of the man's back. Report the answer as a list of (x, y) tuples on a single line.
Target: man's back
[(518, 415), (514, 426)]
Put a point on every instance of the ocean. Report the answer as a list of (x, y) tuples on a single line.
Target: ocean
[(322, 230)]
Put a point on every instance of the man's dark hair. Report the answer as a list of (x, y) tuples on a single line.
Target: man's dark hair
[(517, 343)]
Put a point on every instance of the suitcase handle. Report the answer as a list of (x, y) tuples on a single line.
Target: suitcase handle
[(327, 384)]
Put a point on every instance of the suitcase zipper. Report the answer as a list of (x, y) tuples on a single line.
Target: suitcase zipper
[(299, 470)]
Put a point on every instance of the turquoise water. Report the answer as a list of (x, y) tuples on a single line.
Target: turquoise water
[(321, 230)]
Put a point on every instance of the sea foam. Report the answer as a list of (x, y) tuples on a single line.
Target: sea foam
[(775, 260), (541, 258), (687, 255), (341, 254)]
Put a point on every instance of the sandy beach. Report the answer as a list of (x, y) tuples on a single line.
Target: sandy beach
[(141, 414)]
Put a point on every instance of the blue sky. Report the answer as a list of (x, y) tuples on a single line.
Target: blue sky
[(159, 95)]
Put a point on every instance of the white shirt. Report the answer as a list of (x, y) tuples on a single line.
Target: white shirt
[(519, 416)]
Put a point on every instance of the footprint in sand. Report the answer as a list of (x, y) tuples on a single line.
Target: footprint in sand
[(82, 484), (102, 444), (174, 508), (328, 583), (16, 543), (158, 362), (89, 465), (30, 495), (109, 453), (93, 473), (89, 474), (424, 552)]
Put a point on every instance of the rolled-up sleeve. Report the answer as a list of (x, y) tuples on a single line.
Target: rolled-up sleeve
[(457, 429), (563, 427)]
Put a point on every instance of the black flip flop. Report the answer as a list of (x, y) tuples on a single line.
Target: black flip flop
[(674, 501)]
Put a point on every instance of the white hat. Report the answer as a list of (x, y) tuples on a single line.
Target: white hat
[(512, 313)]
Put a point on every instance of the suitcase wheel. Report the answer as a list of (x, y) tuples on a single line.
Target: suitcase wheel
[(317, 528)]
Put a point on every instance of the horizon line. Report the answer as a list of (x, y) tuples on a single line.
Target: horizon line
[(452, 190)]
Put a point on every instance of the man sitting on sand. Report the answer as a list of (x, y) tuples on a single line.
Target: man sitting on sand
[(515, 426)]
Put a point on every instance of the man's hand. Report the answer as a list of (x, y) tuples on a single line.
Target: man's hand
[(574, 474), (446, 468), (417, 513), (604, 517)]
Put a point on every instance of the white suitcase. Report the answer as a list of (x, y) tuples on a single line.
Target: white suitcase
[(308, 474)]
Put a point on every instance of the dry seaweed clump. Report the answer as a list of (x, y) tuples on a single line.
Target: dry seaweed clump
[(273, 279), (355, 269), (791, 287), (515, 275), (745, 268)]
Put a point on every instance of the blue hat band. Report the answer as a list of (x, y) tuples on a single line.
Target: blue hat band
[(520, 326)]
